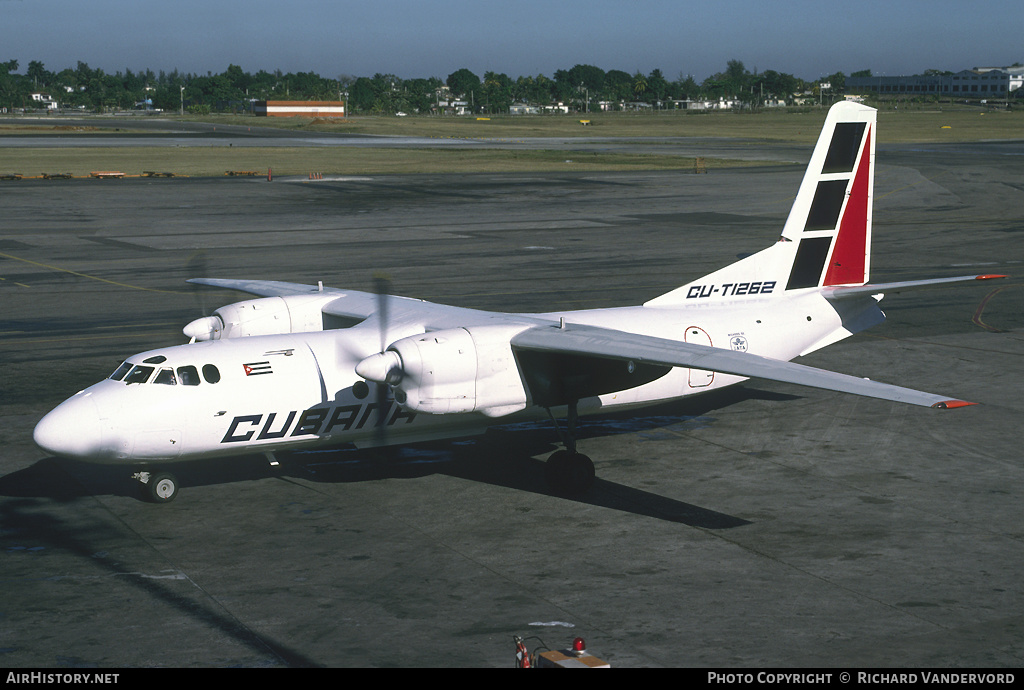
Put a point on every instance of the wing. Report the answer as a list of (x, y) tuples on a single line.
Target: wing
[(353, 304), (348, 303), (264, 288), (612, 344)]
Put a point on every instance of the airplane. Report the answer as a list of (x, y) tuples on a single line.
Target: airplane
[(303, 366)]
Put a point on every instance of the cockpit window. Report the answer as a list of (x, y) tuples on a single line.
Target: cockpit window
[(139, 374), (166, 377), (189, 375), (121, 371), (211, 373)]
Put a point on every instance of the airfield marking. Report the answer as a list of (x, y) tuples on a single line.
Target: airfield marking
[(15, 282), (85, 275), (79, 338)]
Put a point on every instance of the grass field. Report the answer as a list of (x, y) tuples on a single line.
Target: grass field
[(800, 126)]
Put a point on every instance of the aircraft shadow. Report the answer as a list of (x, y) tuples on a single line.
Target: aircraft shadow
[(22, 517), (505, 457)]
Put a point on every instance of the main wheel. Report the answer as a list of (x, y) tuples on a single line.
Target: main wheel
[(162, 487), (569, 473)]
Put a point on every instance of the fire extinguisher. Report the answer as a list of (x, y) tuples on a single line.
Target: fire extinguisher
[(522, 656)]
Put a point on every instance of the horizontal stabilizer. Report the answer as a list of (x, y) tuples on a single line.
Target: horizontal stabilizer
[(844, 291)]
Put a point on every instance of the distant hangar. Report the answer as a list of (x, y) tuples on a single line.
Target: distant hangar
[(299, 108), (980, 82)]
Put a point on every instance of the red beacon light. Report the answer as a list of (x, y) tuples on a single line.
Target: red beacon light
[(576, 656)]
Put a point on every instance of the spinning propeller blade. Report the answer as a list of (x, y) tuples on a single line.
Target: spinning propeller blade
[(382, 286)]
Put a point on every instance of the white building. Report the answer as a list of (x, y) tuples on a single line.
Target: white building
[(45, 99), (299, 108)]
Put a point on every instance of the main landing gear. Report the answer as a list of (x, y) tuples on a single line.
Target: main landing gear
[(157, 487), (569, 471)]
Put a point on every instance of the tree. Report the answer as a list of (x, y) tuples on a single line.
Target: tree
[(362, 95), (422, 93), (657, 86), (9, 91), (581, 84), (497, 92), (639, 85), (464, 84), (238, 80), (736, 77), (778, 85), (618, 85), (38, 74), (687, 87), (533, 90), (589, 77)]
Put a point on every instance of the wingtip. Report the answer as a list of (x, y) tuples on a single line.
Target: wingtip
[(990, 276), (950, 404)]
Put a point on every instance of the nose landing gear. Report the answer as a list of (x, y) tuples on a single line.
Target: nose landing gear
[(157, 487)]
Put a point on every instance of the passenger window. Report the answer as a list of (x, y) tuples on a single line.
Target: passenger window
[(121, 371), (166, 377), (189, 376), (139, 374), (211, 373)]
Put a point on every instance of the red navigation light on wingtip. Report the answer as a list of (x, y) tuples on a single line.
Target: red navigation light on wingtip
[(990, 276), (950, 404)]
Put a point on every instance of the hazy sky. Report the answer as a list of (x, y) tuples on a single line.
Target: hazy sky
[(806, 38)]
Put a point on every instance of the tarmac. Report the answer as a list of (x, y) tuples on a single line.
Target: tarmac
[(765, 525)]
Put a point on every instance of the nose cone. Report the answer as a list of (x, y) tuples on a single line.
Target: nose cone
[(72, 429)]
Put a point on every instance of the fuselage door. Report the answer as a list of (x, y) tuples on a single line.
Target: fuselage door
[(699, 378)]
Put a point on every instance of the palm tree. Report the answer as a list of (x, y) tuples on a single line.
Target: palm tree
[(639, 84)]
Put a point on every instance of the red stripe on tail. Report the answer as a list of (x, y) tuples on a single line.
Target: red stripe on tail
[(849, 257)]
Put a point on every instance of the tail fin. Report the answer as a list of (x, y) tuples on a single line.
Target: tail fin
[(827, 237)]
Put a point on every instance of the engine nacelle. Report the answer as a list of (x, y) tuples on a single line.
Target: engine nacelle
[(264, 316), (460, 370)]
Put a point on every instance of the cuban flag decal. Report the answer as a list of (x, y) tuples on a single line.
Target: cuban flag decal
[(257, 368)]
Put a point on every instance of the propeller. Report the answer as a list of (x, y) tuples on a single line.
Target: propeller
[(206, 327), (383, 362), (196, 267)]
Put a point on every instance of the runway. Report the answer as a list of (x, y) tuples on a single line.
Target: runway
[(765, 525), (152, 132)]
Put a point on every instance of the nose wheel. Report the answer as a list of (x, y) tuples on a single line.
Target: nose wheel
[(157, 487)]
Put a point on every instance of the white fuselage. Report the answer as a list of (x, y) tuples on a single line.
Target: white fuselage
[(277, 392)]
